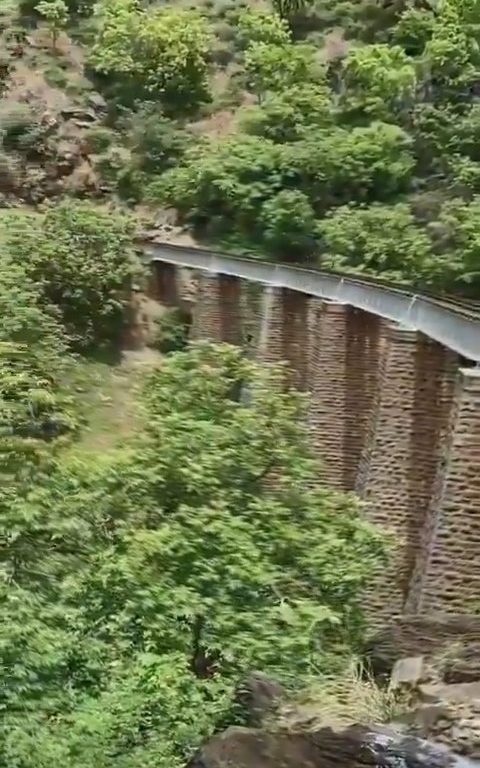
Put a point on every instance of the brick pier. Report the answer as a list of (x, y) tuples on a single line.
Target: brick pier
[(390, 418)]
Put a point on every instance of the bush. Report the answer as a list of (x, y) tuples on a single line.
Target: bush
[(99, 139), (16, 120), (156, 142), (55, 76), (172, 330), (83, 260), (289, 227)]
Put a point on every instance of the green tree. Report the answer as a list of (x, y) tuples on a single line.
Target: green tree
[(56, 14), (364, 164), (257, 26), (223, 183), (83, 260), (378, 240), (287, 8), (160, 53), (456, 240), (378, 81), (33, 360), (271, 67), (289, 225), (289, 114), (146, 583)]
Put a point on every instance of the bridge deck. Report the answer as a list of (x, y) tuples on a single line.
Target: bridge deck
[(447, 322)]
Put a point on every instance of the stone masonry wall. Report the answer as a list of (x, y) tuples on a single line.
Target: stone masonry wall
[(382, 416), (450, 577), (328, 376), (401, 457), (163, 283), (364, 338), (343, 380), (284, 334), (217, 311), (442, 389)]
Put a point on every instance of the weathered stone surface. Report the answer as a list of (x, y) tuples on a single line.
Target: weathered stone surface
[(451, 715), (415, 635), (328, 380), (217, 311), (163, 283), (438, 692), (448, 568), (343, 378), (284, 333), (407, 672), (259, 696), (407, 431), (354, 747), (462, 664)]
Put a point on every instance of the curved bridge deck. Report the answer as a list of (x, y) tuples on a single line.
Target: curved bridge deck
[(446, 322)]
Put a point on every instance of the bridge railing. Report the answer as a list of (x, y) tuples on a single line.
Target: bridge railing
[(453, 323)]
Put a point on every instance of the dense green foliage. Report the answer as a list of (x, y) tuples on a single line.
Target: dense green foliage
[(286, 130), (140, 587), (140, 583), (82, 259), (339, 135), (33, 360), (158, 53)]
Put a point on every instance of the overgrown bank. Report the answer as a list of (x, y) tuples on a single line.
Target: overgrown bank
[(142, 578)]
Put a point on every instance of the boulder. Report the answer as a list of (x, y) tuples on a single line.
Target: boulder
[(97, 102), (354, 747), (73, 112), (258, 696)]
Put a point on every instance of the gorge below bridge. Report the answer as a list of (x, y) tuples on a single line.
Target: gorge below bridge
[(394, 414)]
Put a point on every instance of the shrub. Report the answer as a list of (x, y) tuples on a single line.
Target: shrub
[(155, 141), (172, 330), (99, 139), (84, 262), (16, 120), (55, 76)]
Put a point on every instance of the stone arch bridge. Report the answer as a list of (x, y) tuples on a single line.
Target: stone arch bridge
[(394, 382)]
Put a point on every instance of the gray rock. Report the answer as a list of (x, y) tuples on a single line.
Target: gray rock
[(258, 695), (355, 747), (97, 102)]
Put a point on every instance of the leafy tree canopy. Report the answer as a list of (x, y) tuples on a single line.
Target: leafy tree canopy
[(82, 259), (33, 359), (146, 583), (158, 53)]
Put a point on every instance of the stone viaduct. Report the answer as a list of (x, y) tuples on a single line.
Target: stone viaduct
[(394, 383)]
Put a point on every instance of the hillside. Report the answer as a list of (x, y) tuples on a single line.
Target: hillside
[(162, 536), (334, 131)]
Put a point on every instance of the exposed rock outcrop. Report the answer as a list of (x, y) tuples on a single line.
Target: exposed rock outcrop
[(355, 747), (259, 695), (426, 636)]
